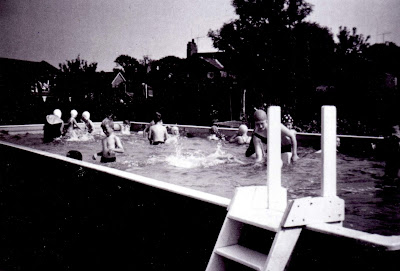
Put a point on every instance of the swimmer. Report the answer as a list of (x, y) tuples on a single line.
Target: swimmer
[(337, 145), (175, 135), (241, 136), (289, 144), (215, 134), (109, 120), (286, 141), (157, 133), (88, 123), (53, 127), (287, 120), (147, 129), (71, 124), (111, 144), (126, 127), (392, 153)]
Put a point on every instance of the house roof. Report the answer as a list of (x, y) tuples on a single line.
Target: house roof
[(115, 80), (8, 65), (214, 62)]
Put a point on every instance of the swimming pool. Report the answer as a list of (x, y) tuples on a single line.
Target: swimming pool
[(219, 167)]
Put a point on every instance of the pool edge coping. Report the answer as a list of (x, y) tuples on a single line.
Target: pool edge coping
[(180, 190)]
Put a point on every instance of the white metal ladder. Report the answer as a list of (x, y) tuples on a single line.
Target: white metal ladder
[(267, 207)]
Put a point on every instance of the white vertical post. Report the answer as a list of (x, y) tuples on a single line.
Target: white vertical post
[(277, 197), (328, 144)]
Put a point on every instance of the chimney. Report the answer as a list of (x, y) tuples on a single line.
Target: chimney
[(191, 48)]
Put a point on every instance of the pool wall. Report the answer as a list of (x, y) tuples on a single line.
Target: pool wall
[(349, 143), (62, 214)]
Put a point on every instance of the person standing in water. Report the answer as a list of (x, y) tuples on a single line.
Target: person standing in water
[(259, 138), (111, 144), (88, 123), (54, 126), (392, 152), (157, 133)]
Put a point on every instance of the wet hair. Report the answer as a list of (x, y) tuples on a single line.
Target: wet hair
[(107, 123), (157, 117), (75, 155)]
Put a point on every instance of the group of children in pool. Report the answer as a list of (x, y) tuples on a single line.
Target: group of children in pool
[(157, 134)]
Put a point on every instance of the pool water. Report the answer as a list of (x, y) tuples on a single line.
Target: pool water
[(215, 167)]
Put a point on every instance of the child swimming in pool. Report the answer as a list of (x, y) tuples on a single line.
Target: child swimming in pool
[(288, 140), (157, 133), (111, 144), (175, 135), (71, 124), (241, 137), (54, 126), (126, 127), (215, 134), (88, 123)]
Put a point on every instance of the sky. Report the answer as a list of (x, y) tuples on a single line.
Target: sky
[(100, 30)]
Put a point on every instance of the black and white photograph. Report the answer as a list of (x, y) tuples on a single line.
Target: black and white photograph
[(200, 135)]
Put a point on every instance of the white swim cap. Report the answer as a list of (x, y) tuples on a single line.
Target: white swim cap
[(57, 112), (243, 129), (74, 113), (86, 115)]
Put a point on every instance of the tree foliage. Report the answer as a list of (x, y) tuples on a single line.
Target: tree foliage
[(260, 44), (351, 43), (78, 65), (129, 64)]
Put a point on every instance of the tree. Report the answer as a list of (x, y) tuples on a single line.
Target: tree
[(129, 64), (76, 80), (260, 42), (351, 43), (78, 65), (352, 73)]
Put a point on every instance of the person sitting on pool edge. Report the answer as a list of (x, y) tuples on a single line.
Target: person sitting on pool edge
[(288, 140), (241, 137), (111, 144), (157, 133), (54, 126)]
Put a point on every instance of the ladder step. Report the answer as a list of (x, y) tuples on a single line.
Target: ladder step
[(243, 255), (262, 218)]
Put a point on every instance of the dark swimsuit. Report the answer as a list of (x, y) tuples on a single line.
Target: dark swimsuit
[(157, 142), (250, 150), (107, 159)]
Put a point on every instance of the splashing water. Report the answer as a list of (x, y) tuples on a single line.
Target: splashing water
[(198, 158), (79, 136)]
